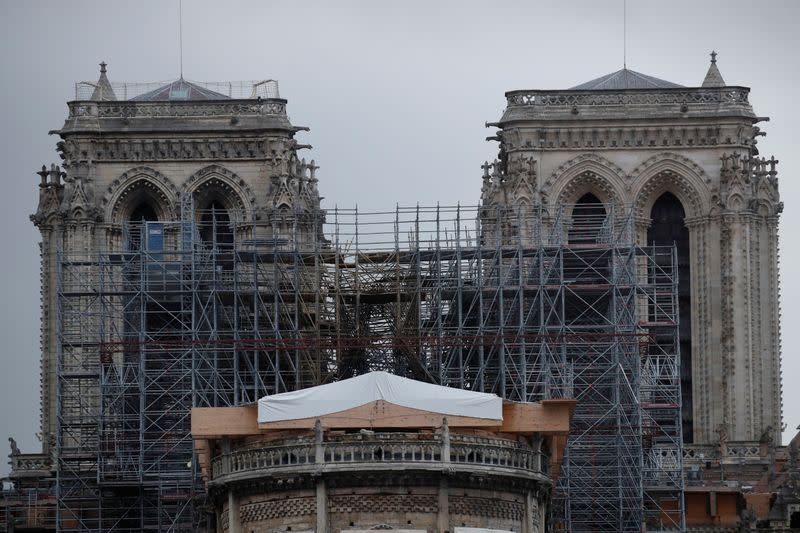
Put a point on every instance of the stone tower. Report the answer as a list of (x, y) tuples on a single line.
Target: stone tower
[(144, 157), (686, 160)]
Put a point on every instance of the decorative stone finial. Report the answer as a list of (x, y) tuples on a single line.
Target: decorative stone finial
[(713, 77), (43, 174), (102, 90)]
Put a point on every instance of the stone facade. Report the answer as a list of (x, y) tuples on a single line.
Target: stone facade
[(622, 144), (631, 144), (402, 480), (116, 156)]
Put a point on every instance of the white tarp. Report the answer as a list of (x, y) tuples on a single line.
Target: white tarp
[(349, 393)]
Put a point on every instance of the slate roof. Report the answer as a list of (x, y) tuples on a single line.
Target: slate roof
[(625, 79), (180, 89)]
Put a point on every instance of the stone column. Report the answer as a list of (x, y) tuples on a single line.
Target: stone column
[(234, 520), (532, 519), (321, 488), (770, 301), (709, 367), (51, 236), (322, 506), (443, 517)]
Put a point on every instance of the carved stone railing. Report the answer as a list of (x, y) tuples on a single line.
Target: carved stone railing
[(721, 95), (383, 451), (29, 462), (698, 453), (497, 452), (748, 451), (131, 109)]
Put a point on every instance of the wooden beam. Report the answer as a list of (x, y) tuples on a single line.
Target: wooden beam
[(219, 422), (550, 417)]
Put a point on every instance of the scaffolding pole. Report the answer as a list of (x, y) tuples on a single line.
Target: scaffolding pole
[(221, 308)]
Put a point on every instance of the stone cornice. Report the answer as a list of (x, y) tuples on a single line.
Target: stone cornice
[(176, 116), (205, 108), (582, 137), (175, 148), (628, 104)]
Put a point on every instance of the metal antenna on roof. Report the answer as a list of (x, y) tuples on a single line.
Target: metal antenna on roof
[(180, 33), (624, 34)]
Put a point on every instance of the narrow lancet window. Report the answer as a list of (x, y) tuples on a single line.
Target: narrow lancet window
[(668, 227)]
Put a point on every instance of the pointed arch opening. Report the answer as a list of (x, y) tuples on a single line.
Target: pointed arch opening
[(667, 227), (584, 260), (587, 220), (140, 208), (218, 210), (215, 226)]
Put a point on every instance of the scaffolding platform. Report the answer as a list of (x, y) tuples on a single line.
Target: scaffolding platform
[(525, 303)]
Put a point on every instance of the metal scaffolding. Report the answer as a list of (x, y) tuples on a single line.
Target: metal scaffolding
[(222, 308)]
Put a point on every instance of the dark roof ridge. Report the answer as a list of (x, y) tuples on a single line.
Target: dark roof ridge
[(180, 89), (625, 79)]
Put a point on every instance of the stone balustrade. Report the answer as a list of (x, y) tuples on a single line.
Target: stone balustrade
[(697, 453), (30, 462), (717, 95), (730, 452), (132, 109), (383, 451)]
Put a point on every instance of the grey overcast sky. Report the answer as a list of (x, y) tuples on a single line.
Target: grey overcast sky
[(396, 95)]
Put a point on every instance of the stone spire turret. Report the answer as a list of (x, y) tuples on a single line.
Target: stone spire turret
[(102, 90), (713, 77)]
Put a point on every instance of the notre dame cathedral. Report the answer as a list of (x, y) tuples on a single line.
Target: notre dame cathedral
[(683, 159)]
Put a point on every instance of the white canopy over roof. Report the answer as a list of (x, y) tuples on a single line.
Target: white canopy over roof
[(360, 390)]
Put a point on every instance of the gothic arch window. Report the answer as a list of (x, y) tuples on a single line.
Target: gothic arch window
[(218, 209), (214, 191), (215, 225), (140, 200), (215, 183), (141, 213), (667, 226), (584, 261), (586, 220), (137, 205), (137, 186)]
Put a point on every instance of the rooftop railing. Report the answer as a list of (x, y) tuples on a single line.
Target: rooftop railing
[(383, 451), (191, 108), (704, 95), (252, 89)]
